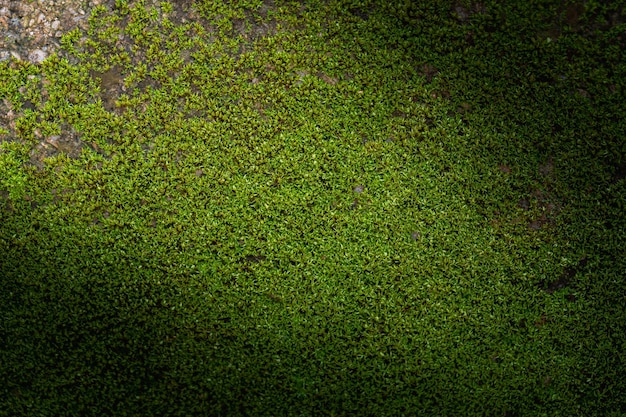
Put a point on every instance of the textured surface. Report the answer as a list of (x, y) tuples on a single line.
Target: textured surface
[(316, 208)]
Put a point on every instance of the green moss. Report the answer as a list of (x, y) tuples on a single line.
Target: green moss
[(317, 208), (13, 175)]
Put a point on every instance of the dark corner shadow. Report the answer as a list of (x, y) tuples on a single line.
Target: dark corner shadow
[(114, 341)]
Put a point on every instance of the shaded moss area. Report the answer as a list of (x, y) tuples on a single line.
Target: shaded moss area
[(317, 208)]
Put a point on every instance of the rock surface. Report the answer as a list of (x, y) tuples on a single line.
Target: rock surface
[(32, 30)]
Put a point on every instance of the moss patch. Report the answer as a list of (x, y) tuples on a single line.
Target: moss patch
[(317, 208)]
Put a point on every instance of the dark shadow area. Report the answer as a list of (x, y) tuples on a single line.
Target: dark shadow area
[(568, 137)]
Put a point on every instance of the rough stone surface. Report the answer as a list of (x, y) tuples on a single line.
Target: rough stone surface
[(31, 30)]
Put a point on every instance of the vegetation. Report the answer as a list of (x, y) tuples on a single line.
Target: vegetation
[(318, 208)]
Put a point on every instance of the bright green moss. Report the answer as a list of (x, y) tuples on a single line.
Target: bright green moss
[(317, 208)]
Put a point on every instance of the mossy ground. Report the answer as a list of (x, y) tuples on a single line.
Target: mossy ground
[(318, 208)]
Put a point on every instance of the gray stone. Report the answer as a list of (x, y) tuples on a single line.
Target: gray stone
[(37, 56)]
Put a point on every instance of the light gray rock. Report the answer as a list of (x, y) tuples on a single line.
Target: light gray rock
[(37, 56)]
